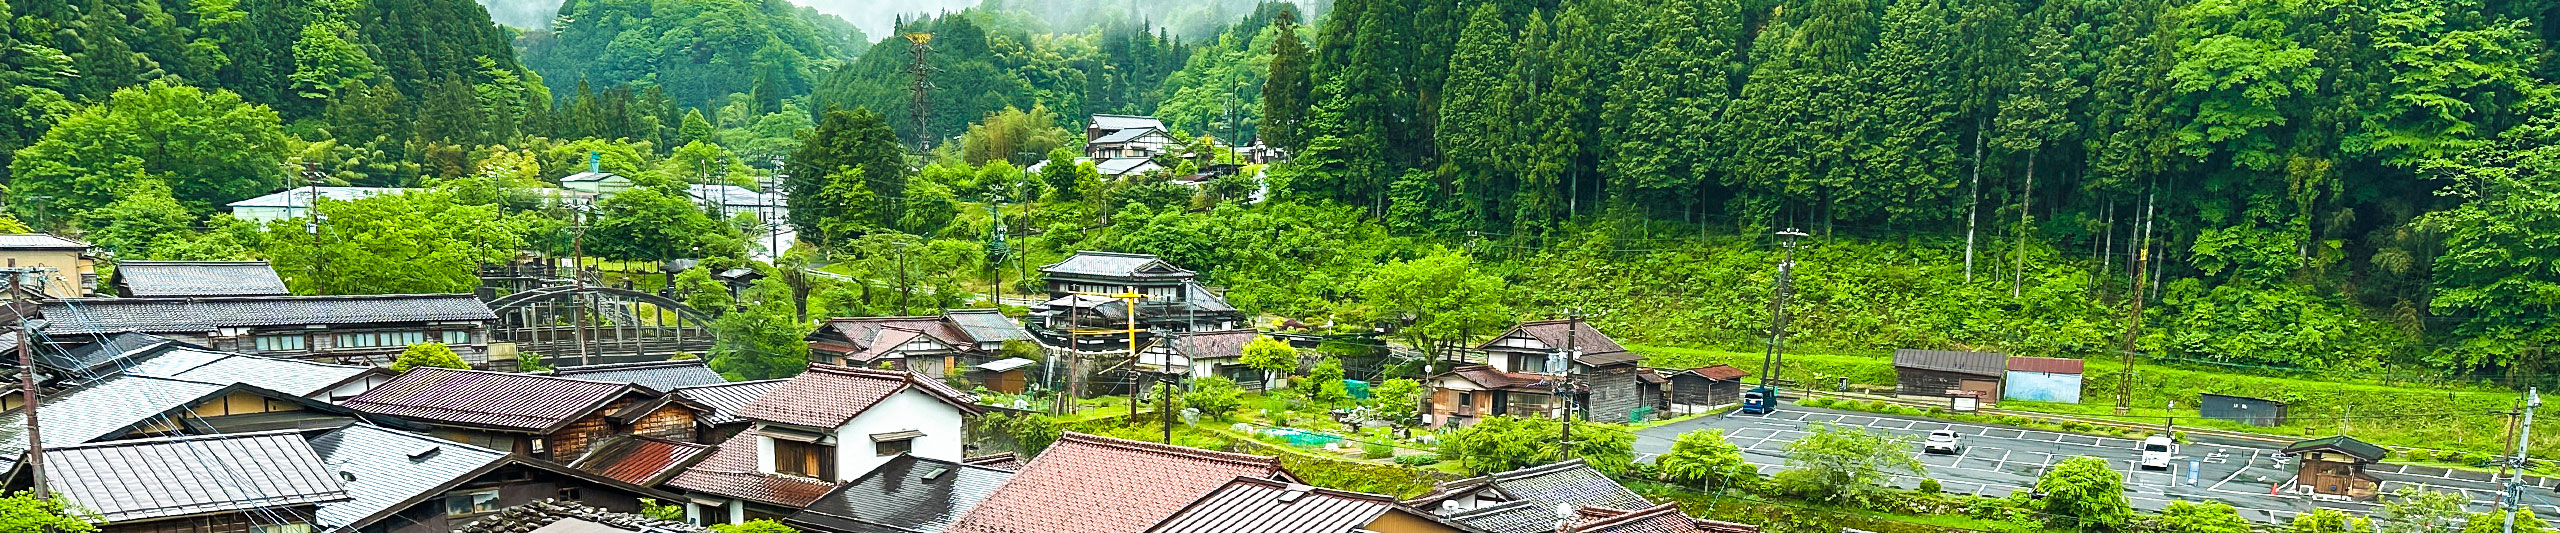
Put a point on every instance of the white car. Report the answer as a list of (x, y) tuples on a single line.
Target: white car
[(2157, 451), (1941, 441)]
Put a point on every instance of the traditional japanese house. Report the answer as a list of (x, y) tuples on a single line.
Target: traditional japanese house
[(545, 417)]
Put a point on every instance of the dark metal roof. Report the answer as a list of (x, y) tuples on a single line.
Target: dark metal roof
[(2341, 444), (726, 401), (2048, 365), (1972, 363), (908, 493), (656, 375), (102, 350), (1259, 505), (175, 315), (848, 392), (159, 478), (542, 515), (151, 279), (1519, 516), (1126, 135), (385, 470), (640, 460), (987, 325), (1115, 264), (1091, 484), (498, 400)]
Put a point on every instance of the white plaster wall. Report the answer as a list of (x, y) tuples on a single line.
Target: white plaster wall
[(907, 410)]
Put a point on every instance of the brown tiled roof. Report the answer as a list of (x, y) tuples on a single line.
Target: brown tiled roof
[(1490, 378), (1212, 344), (1648, 375), (1263, 505), (1596, 347), (1970, 363), (1091, 484), (884, 341), (1720, 372), (2048, 365), (500, 400), (1665, 518), (640, 460), (827, 396), (861, 331), (731, 472)]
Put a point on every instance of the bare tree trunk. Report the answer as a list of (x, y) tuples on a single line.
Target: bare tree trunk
[(1974, 204), (2026, 201)]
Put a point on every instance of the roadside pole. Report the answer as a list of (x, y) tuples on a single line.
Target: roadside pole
[(27, 373), (2524, 436)]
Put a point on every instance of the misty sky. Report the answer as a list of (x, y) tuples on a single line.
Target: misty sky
[(873, 16)]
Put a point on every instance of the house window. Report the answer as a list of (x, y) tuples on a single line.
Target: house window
[(380, 339), (281, 528), (893, 447), (1529, 363), (280, 343), (804, 459), (457, 337), (1467, 399), (471, 502)]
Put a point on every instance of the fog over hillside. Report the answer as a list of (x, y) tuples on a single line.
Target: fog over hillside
[(873, 16), (1186, 18)]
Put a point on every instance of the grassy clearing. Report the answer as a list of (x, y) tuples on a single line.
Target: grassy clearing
[(2451, 424)]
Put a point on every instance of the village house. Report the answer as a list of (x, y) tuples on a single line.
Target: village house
[(544, 417), (2334, 467), (1134, 143), (1527, 500), (402, 482), (828, 425), (145, 355), (296, 202), (369, 329), (1093, 484), (1251, 504), (182, 279), (1944, 374), (1200, 354), (1172, 300), (1664, 518), (1707, 387), (262, 482), (1524, 365), (954, 344), (74, 267)]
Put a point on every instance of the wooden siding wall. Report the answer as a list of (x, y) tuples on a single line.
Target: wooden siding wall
[(221, 523), (1615, 393), (1693, 389), (1917, 382), (670, 422)]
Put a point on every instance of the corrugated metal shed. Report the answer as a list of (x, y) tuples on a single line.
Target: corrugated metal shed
[(107, 315), (907, 493), (656, 375), (1969, 363), (2242, 409), (382, 468), (159, 478), (1258, 505), (152, 279), (727, 401), (498, 400)]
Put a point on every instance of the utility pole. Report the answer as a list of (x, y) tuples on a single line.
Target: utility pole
[(1772, 361), (920, 93), (27, 371), (903, 291), (2515, 484), (578, 276), (1563, 368), (1165, 404), (2133, 319)]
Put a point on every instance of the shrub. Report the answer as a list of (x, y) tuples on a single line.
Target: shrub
[(1931, 486), (1214, 396), (1424, 459), (428, 354), (1374, 450)]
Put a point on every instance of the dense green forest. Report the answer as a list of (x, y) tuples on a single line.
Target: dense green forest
[(2337, 185)]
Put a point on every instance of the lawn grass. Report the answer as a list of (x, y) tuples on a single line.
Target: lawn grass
[(2433, 419)]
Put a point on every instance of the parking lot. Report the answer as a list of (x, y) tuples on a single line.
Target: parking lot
[(1996, 461)]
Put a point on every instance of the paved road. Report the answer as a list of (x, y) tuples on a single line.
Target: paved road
[(1999, 460)]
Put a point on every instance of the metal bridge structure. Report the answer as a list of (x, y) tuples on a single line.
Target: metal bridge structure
[(571, 323)]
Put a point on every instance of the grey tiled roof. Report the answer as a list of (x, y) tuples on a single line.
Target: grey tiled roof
[(39, 241), (543, 515), (1509, 517), (1205, 300), (299, 378), (1255, 505), (898, 496), (157, 478), (1125, 135), (389, 467), (727, 400), (97, 315), (1572, 483), (145, 279), (100, 409), (656, 375), (1116, 264), (1122, 122), (988, 325)]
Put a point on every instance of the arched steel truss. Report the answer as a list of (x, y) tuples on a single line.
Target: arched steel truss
[(577, 325)]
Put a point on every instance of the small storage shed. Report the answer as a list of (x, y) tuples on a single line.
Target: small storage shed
[(2242, 409), (1003, 375), (1707, 386), (1940, 373), (2334, 466), (2042, 379)]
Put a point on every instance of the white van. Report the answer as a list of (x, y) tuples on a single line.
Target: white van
[(2157, 451)]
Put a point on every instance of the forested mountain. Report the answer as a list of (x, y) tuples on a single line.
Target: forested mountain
[(985, 61), (696, 51)]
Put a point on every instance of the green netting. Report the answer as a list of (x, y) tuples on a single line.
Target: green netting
[(1359, 389), (1303, 439)]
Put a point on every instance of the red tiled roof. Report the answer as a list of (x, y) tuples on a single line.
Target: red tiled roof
[(1720, 372), (886, 340), (521, 402), (1212, 344), (1489, 378), (861, 330), (639, 460), (2048, 365), (1665, 518), (1091, 484), (731, 472), (827, 396)]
